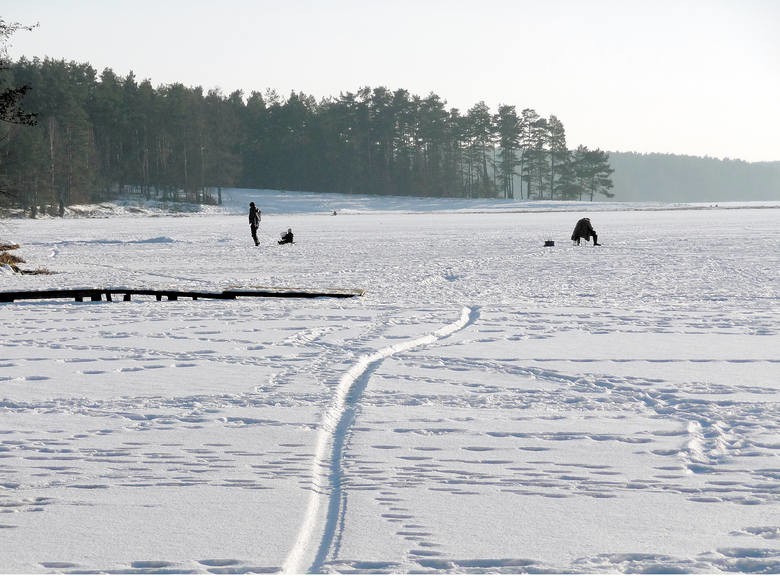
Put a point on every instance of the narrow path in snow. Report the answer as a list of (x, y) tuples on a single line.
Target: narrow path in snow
[(331, 439)]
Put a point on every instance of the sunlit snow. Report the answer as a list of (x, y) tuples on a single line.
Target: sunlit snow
[(489, 405)]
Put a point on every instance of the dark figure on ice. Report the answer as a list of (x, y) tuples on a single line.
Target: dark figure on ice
[(287, 237), (583, 229), (254, 221)]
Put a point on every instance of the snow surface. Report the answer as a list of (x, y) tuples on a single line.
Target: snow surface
[(489, 405)]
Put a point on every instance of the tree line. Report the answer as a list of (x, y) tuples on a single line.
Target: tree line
[(674, 177), (100, 136)]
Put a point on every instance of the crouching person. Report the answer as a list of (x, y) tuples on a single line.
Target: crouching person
[(287, 237), (583, 229)]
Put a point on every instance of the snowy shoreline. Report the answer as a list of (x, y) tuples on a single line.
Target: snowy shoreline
[(236, 201)]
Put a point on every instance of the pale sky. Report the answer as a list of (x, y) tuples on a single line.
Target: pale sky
[(698, 77)]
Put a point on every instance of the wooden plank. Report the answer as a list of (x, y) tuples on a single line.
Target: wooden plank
[(19, 295), (95, 294)]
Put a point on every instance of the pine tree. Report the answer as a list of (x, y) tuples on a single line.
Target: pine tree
[(507, 126), (528, 122), (566, 185), (556, 142), (11, 95), (600, 181), (592, 172), (479, 137), (431, 178), (535, 162)]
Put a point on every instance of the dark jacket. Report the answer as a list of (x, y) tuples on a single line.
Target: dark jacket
[(287, 237), (254, 216), (583, 229)]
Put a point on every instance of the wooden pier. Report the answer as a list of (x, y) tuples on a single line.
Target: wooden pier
[(126, 294)]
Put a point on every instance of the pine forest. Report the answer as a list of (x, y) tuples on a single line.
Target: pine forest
[(101, 136)]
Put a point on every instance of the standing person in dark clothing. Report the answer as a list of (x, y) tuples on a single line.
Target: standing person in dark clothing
[(254, 221), (583, 229)]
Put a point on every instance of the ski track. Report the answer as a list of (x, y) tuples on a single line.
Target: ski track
[(331, 440)]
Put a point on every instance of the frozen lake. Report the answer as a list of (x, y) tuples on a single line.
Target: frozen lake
[(489, 405)]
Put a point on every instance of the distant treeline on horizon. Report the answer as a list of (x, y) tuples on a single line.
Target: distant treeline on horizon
[(681, 178), (99, 135)]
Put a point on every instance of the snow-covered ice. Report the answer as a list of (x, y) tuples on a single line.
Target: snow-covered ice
[(489, 405)]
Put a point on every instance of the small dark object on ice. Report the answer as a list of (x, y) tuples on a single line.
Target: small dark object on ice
[(549, 243), (287, 237)]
